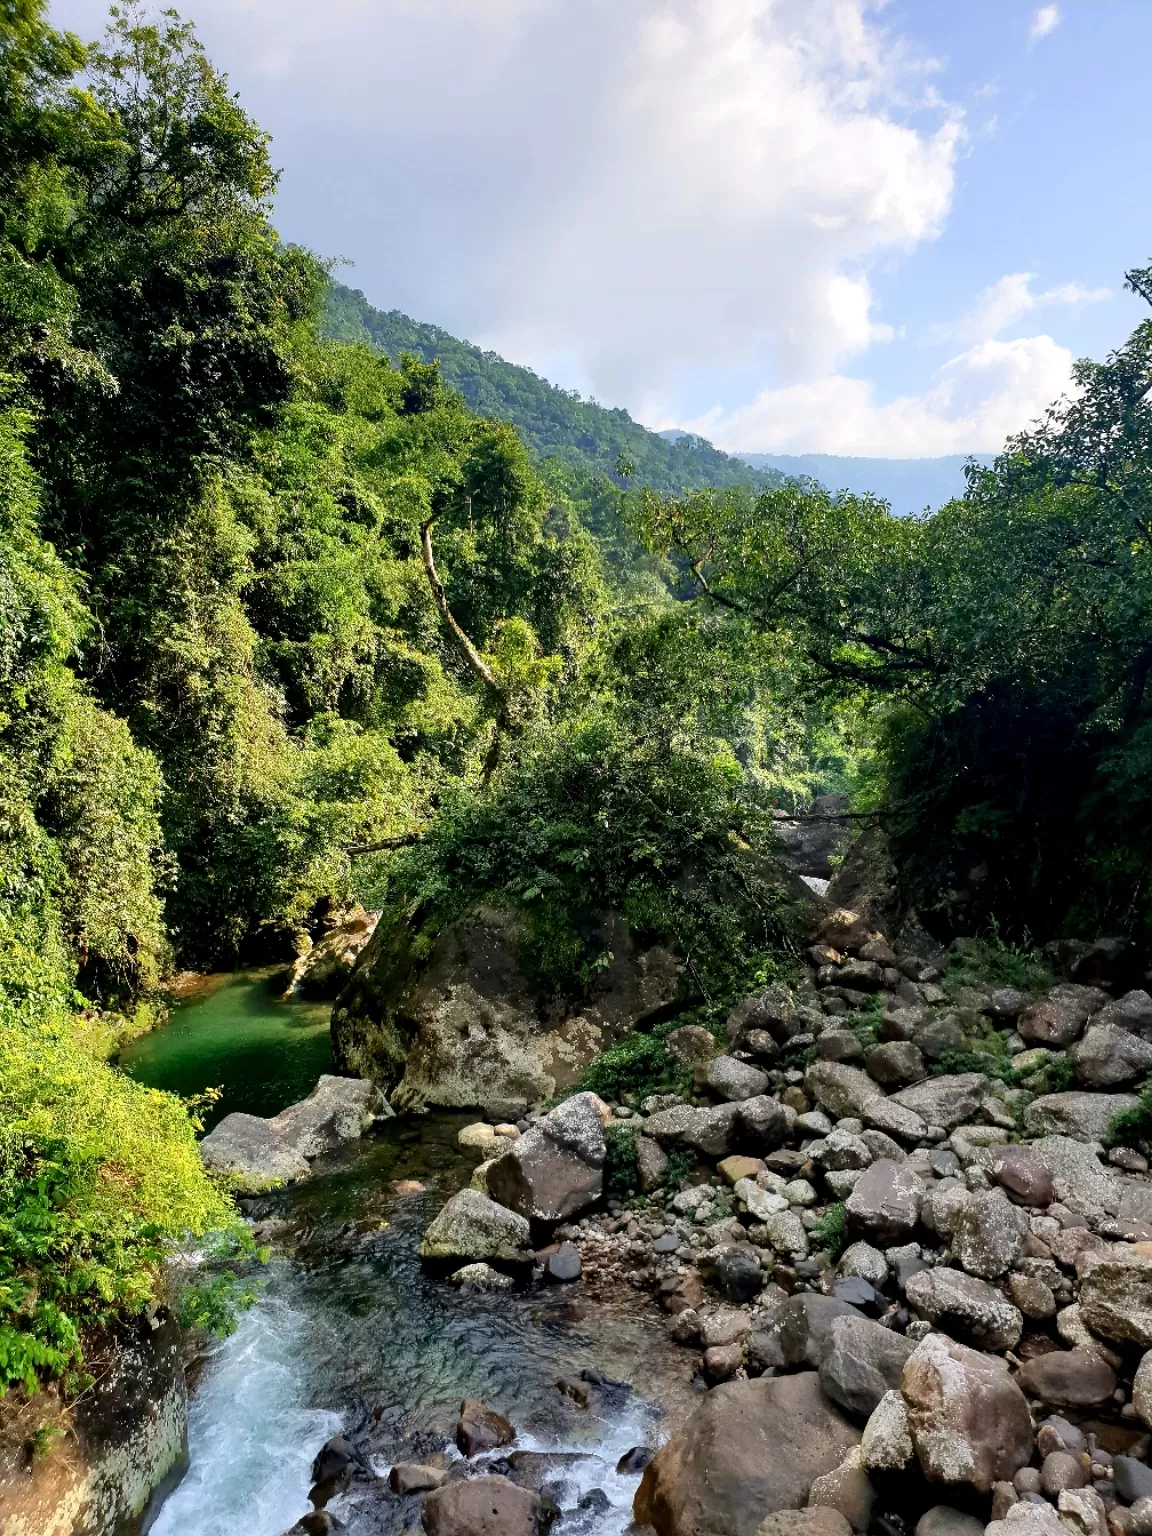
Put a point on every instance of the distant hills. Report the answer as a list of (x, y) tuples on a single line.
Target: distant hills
[(559, 423), (555, 423), (908, 485)]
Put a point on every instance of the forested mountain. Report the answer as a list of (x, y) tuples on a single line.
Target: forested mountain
[(554, 423)]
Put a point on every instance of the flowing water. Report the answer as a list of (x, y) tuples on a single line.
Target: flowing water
[(351, 1335)]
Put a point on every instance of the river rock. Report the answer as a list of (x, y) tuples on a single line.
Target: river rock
[(846, 1490), (738, 1274), (819, 1521), (895, 1063), (751, 1448), (651, 1164), (556, 1169), (965, 1305), (894, 1120), (246, 1151), (1059, 1018), (1108, 1055), (1142, 1389), (1022, 1177), (564, 1265), (840, 1089), (482, 1277), (1133, 1012), (885, 1204), (1116, 1295), (762, 1125), (804, 1326), (772, 1010), (692, 1045), (945, 1101), (732, 1080), (1028, 1519), (887, 1443), (473, 1227), (861, 1362), (1078, 1178), (338, 1110), (711, 1132), (943, 1520), (480, 1428), (989, 1234), (967, 1418), (840, 1150), (414, 1477), (1083, 1116), (322, 970), (482, 1506), (1073, 1378)]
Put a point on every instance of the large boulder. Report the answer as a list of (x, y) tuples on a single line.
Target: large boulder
[(989, 1234), (483, 1506), (1059, 1018), (750, 1449), (946, 1101), (255, 1154), (323, 970), (966, 1306), (1072, 1378), (840, 1089), (556, 1168), (804, 1326), (471, 1227), (1083, 1116), (449, 1017), (711, 1132), (732, 1080), (861, 1362), (885, 1204), (1078, 1179), (967, 1418), (1109, 1054)]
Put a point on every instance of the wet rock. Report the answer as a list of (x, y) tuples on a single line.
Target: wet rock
[(885, 1203), (1132, 1478), (840, 1089), (411, 1477), (1116, 1295), (481, 1137), (1022, 1177), (483, 1506), (738, 1275), (896, 1063), (634, 1461), (804, 1326), (988, 1234), (943, 1520), (564, 1265), (708, 1131), (337, 1111), (945, 1101), (1059, 1018), (335, 1456), (651, 1164), (246, 1151), (479, 1428), (473, 1227), (734, 1080), (965, 1306), (967, 1418), (1109, 1055), (722, 1361), (481, 1277), (1068, 1379), (861, 1362), (556, 1169), (819, 1521), (847, 1490), (1083, 1116), (887, 1442), (751, 1448)]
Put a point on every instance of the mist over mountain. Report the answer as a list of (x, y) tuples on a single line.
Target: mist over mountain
[(908, 485)]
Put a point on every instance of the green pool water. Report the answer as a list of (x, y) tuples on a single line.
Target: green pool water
[(235, 1033)]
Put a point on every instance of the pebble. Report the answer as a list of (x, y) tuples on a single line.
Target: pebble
[(1062, 1470)]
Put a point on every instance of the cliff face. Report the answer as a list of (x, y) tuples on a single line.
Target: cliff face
[(455, 1023), (108, 1455)]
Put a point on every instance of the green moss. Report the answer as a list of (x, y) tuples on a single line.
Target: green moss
[(638, 1064), (620, 1163), (1133, 1127)]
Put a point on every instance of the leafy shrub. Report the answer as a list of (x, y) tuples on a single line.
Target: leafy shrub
[(637, 1064), (620, 1162), (831, 1231), (1133, 1127)]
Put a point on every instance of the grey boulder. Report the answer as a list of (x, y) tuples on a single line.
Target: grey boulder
[(885, 1204), (1083, 1116), (255, 1154), (733, 1080), (967, 1418), (966, 1306), (840, 1089), (946, 1101), (989, 1234), (471, 1227), (861, 1362), (556, 1169), (1108, 1055)]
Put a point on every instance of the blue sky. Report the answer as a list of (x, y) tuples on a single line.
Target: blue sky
[(794, 225)]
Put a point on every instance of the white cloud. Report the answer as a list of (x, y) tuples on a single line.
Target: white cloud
[(621, 193), (1006, 301), (1046, 20), (975, 401)]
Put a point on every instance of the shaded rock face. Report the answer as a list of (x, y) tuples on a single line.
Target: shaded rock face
[(751, 1448), (460, 1026), (123, 1446), (326, 967)]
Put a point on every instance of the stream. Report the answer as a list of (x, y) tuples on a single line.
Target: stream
[(351, 1336)]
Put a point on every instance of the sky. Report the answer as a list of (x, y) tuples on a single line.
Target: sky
[(794, 226)]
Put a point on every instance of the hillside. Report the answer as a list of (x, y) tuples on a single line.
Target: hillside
[(554, 422)]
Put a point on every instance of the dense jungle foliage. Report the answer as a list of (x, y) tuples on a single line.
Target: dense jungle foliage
[(286, 622)]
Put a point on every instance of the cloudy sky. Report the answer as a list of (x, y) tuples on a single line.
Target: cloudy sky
[(794, 225)]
